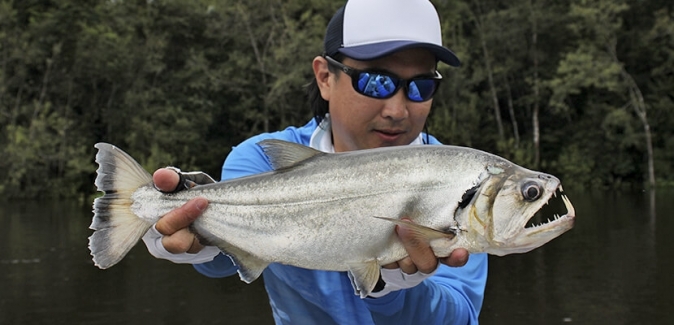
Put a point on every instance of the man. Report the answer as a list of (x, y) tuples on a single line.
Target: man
[(373, 87)]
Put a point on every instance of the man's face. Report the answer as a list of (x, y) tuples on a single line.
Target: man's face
[(360, 122)]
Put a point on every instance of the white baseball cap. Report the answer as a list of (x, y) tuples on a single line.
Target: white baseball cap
[(370, 29)]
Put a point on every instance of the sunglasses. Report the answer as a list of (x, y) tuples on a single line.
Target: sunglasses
[(381, 85)]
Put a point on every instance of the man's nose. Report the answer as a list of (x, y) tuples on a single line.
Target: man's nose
[(395, 107)]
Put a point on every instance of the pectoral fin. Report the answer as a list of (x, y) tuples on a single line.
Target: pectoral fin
[(422, 231), (440, 241), (364, 277)]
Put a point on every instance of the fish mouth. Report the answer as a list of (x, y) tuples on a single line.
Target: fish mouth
[(535, 225)]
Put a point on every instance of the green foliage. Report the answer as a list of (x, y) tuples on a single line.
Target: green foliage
[(521, 154), (576, 168), (581, 70), (42, 159), (181, 82)]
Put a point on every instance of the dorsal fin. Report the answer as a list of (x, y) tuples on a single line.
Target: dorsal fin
[(284, 154)]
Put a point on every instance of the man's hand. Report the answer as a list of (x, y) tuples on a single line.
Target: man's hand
[(177, 238), (421, 257), (420, 263)]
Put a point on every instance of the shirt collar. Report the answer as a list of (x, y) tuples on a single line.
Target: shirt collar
[(321, 139)]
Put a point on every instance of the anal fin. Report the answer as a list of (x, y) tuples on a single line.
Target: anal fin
[(249, 266)]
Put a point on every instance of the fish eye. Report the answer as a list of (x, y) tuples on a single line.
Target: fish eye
[(531, 191)]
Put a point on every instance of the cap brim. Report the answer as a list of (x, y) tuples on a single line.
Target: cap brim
[(378, 50)]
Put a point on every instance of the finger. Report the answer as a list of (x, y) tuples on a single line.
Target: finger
[(165, 180), (459, 257), (391, 266), (418, 249), (196, 246), (179, 242), (407, 266), (181, 217)]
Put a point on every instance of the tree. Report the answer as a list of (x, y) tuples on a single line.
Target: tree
[(179, 83), (479, 16), (595, 63), (661, 97)]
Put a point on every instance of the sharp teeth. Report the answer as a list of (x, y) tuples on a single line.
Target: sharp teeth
[(569, 207)]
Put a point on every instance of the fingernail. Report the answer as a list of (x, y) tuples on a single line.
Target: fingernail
[(201, 205)]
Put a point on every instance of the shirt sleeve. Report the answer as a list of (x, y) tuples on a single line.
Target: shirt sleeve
[(244, 160), (453, 295)]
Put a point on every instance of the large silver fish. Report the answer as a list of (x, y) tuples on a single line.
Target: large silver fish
[(337, 211)]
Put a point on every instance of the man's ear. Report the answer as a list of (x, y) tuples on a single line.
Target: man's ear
[(322, 75)]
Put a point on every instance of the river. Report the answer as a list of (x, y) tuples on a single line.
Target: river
[(614, 267)]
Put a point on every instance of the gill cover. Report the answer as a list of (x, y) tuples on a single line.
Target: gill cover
[(474, 210)]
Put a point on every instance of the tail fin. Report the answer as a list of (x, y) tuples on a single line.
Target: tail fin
[(116, 228)]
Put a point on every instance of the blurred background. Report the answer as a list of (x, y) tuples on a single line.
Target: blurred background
[(580, 89)]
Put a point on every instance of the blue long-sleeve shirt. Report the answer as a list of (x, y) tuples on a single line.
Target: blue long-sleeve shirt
[(302, 296)]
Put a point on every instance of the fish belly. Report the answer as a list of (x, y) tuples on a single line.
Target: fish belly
[(327, 235)]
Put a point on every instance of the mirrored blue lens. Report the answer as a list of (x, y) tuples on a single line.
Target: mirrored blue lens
[(384, 86), (376, 85), (420, 90)]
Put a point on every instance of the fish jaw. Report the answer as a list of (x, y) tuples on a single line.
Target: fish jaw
[(532, 237), (496, 220)]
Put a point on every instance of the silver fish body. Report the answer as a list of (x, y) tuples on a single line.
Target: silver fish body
[(338, 211)]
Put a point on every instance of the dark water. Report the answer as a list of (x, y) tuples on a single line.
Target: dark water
[(614, 267)]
